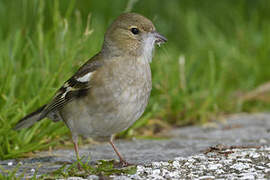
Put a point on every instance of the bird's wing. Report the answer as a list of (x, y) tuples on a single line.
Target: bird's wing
[(77, 86)]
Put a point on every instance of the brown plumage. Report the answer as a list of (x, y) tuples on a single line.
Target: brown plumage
[(111, 90)]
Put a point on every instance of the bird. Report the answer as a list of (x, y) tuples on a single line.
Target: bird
[(110, 91)]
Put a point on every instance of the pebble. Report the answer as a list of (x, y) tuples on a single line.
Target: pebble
[(214, 166), (176, 164), (254, 155), (207, 177), (240, 166), (93, 177)]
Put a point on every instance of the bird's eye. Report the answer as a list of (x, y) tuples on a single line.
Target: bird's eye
[(135, 30)]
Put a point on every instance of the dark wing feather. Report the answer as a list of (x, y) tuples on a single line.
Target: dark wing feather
[(73, 88)]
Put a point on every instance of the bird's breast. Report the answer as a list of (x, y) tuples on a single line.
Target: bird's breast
[(122, 81), (123, 94)]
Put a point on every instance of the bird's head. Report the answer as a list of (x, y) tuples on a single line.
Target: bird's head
[(132, 34)]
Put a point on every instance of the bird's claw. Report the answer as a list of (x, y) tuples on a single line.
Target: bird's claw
[(122, 163)]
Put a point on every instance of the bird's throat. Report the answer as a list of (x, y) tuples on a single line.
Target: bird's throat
[(148, 49)]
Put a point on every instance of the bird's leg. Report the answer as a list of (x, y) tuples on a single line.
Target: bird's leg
[(123, 162), (75, 142)]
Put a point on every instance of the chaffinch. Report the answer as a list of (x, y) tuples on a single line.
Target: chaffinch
[(111, 90)]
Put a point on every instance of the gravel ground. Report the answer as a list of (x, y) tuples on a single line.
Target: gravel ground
[(190, 153), (217, 163)]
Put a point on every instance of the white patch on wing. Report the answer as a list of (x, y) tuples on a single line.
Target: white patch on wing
[(148, 48), (85, 78), (67, 90)]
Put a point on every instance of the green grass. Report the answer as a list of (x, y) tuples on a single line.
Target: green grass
[(103, 169), (225, 46)]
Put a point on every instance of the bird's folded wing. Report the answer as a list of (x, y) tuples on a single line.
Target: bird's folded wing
[(77, 86)]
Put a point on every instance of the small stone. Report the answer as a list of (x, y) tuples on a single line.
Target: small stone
[(156, 164), (265, 148), (202, 166), (199, 157), (165, 173), (148, 170), (244, 160), (156, 172), (239, 166), (164, 163), (140, 169), (260, 167), (212, 159), (219, 171), (174, 174), (10, 163), (227, 161), (207, 177), (191, 160), (254, 155), (248, 176), (214, 166), (179, 159), (176, 164), (93, 177)]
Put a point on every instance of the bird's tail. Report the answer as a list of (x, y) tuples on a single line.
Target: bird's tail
[(30, 119)]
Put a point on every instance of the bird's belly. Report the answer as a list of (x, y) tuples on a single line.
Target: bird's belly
[(107, 116)]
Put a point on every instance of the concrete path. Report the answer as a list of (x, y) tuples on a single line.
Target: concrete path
[(217, 146)]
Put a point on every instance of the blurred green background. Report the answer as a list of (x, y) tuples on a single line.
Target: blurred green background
[(217, 54)]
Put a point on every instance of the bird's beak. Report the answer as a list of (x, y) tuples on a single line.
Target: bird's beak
[(159, 38)]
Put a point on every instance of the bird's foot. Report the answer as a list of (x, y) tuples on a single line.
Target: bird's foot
[(122, 163)]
